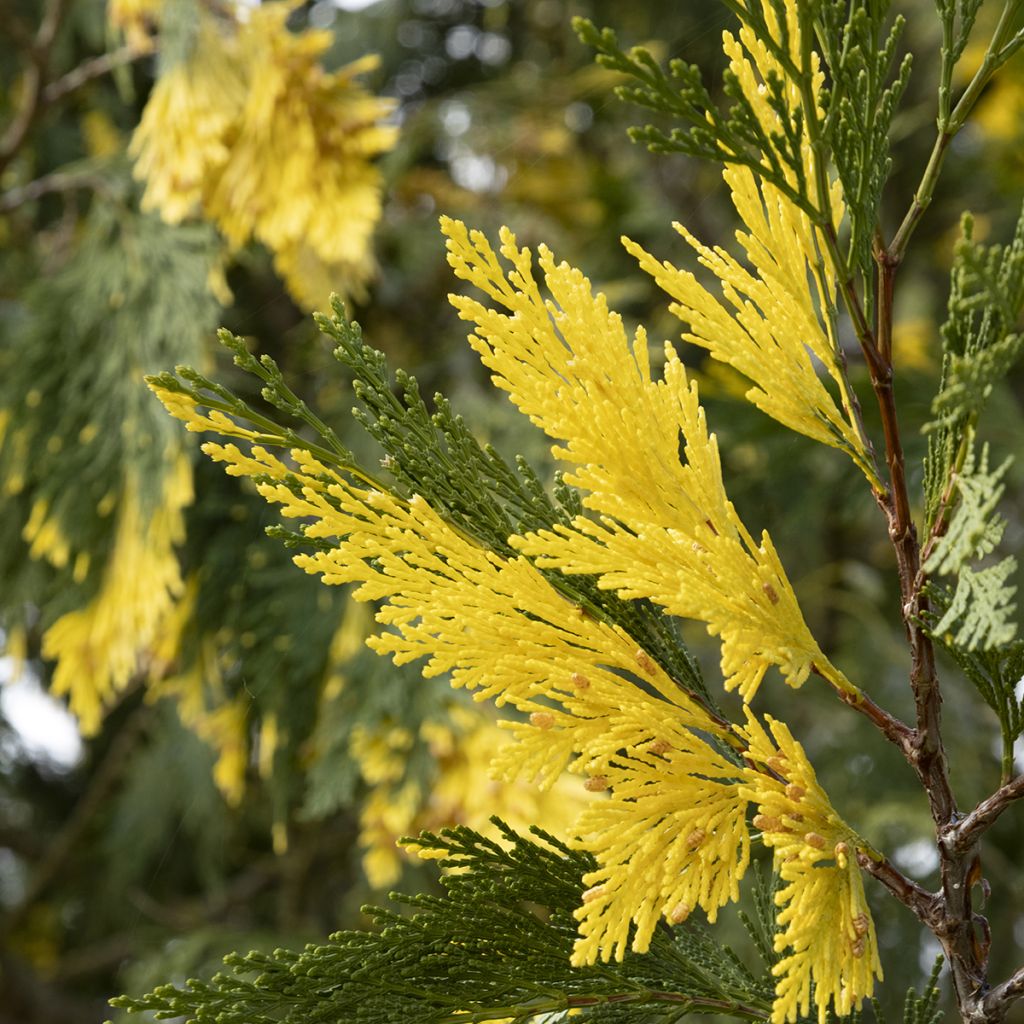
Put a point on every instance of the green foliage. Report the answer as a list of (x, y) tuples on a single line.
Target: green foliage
[(496, 944), (733, 136), (957, 18), (980, 345), (980, 337), (974, 529), (146, 814), (860, 101), (919, 1007), (981, 606)]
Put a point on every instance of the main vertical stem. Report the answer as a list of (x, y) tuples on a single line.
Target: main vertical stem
[(960, 868)]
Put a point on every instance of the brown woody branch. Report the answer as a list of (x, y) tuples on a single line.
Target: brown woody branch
[(892, 728), (994, 1006), (926, 906), (969, 830)]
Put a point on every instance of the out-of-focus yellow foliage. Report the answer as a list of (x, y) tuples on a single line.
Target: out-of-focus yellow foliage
[(137, 19), (101, 647), (252, 133), (463, 747)]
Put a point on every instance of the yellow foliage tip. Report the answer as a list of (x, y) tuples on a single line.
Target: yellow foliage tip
[(825, 926), (184, 407)]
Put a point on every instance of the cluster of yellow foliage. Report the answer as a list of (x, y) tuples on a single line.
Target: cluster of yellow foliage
[(672, 834), (252, 133), (684, 791)]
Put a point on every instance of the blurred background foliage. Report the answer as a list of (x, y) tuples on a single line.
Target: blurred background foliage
[(237, 765)]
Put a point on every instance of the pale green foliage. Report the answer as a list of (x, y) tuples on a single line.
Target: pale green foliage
[(974, 529), (981, 343), (995, 674), (860, 102)]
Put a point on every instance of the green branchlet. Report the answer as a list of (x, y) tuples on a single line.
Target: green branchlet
[(496, 945)]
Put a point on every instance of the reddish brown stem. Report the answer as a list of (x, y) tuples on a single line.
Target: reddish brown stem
[(926, 906)]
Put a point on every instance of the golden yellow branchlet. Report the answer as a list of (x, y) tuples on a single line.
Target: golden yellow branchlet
[(251, 132), (99, 648), (826, 928), (504, 632), (776, 324), (667, 530), (183, 407), (671, 837)]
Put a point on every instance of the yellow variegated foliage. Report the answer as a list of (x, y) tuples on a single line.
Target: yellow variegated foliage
[(667, 530), (668, 828), (253, 133), (777, 322), (99, 648), (826, 930)]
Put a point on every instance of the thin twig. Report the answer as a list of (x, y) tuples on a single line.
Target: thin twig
[(95, 67), (60, 181), (926, 906), (892, 728), (968, 831)]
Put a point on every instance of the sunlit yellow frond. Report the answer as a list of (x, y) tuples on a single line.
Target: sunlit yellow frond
[(825, 928), (595, 702), (667, 530), (776, 323)]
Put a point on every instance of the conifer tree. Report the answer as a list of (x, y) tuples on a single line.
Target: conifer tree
[(562, 604)]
